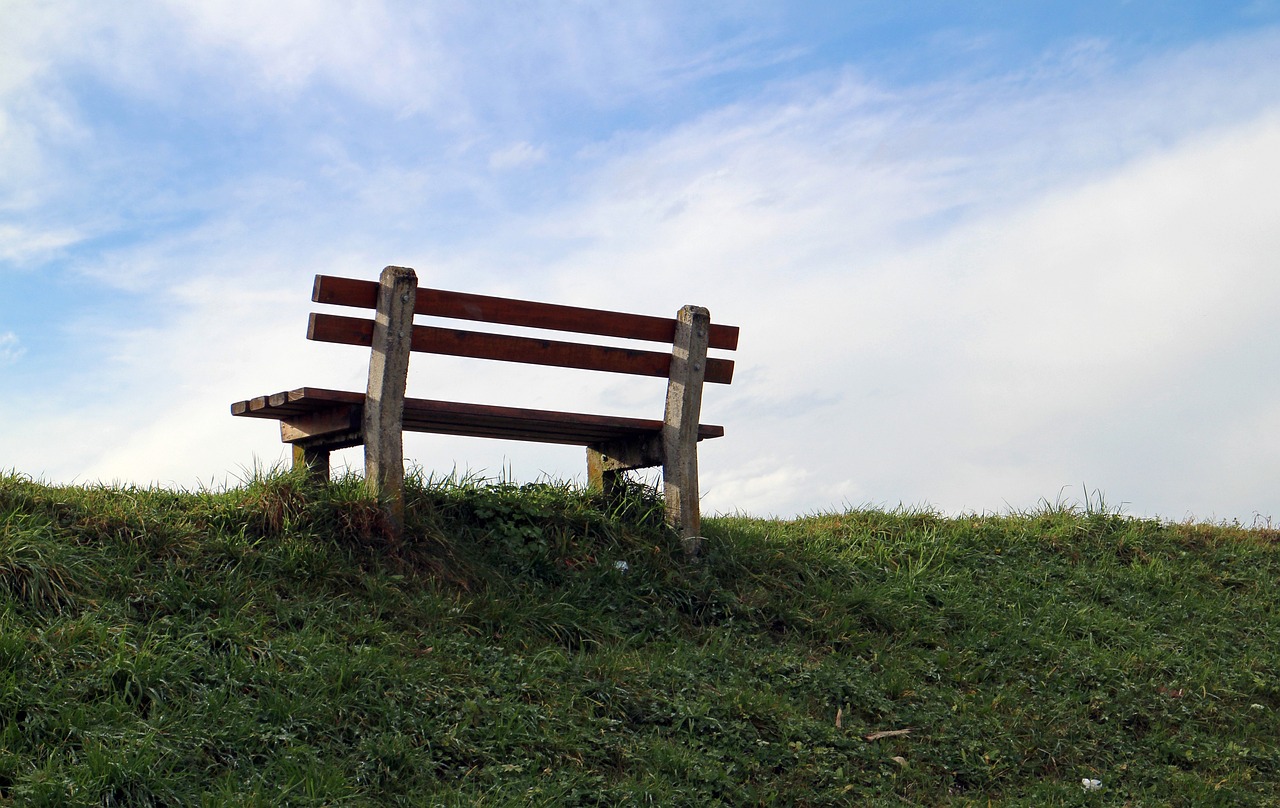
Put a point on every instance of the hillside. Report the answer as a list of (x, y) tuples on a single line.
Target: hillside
[(267, 645)]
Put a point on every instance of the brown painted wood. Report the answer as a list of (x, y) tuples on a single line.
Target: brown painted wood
[(480, 420), (515, 423), (506, 348), (301, 401), (342, 330), (525, 313)]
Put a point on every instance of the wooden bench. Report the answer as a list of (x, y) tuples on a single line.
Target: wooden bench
[(317, 421)]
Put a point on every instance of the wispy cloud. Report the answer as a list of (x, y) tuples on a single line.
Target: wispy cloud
[(10, 348), (516, 155), (19, 245), (995, 304)]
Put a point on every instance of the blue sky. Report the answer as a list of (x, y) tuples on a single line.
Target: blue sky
[(983, 254)]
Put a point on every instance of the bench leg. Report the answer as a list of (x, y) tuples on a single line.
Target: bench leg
[(383, 421), (680, 493), (606, 481), (680, 426), (316, 462)]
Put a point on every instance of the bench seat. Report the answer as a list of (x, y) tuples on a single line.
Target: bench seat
[(310, 414)]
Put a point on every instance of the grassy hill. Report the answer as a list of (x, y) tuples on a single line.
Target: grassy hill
[(268, 645)]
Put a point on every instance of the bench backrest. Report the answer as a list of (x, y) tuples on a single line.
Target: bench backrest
[(522, 313)]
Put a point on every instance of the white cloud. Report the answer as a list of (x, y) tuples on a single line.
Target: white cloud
[(931, 315), (1090, 335), (385, 53), (516, 155), (27, 24), (11, 349), (457, 64), (19, 245), (34, 115)]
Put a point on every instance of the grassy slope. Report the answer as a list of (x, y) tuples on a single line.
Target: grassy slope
[(266, 646)]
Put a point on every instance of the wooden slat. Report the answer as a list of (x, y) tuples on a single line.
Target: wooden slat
[(527, 424), (301, 401), (502, 347), (533, 420), (526, 313), (342, 330), (475, 420)]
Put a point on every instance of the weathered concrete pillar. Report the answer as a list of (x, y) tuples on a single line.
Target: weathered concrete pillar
[(680, 426), (384, 400)]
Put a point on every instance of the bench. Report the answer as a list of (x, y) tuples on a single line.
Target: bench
[(317, 421)]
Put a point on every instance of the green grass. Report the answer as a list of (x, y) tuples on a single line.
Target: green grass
[(270, 645)]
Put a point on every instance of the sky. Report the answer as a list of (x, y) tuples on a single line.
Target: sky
[(985, 256)]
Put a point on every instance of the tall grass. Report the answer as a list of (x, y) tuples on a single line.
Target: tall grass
[(533, 645)]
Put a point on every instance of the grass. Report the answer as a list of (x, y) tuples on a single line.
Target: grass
[(269, 645)]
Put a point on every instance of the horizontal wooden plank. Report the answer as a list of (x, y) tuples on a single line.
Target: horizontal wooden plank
[(342, 330), (301, 401), (506, 348), (535, 424), (525, 313), (474, 420), (578, 428)]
